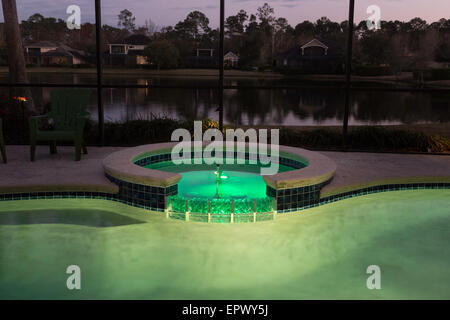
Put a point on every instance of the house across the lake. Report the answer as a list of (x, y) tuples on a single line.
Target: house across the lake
[(129, 52), (311, 57), (46, 53), (231, 60), (201, 58)]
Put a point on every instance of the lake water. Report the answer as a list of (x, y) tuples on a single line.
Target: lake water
[(300, 106)]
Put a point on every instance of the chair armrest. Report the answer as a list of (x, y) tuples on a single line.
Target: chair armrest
[(44, 116), (33, 122)]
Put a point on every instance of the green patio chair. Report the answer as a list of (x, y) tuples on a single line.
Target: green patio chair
[(69, 115), (2, 142)]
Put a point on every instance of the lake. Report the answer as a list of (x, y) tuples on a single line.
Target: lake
[(320, 106)]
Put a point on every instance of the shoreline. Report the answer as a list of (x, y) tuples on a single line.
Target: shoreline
[(404, 80)]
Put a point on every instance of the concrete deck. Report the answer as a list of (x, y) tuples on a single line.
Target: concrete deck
[(54, 172), (61, 173), (360, 170)]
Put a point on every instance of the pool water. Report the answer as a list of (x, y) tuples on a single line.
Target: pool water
[(321, 253), (169, 166), (236, 181), (231, 185)]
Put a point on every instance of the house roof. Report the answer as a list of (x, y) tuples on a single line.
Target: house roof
[(231, 54), (57, 53), (137, 39), (41, 44), (314, 43), (61, 50), (295, 52)]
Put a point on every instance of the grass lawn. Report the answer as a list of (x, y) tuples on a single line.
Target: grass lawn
[(159, 73), (405, 78)]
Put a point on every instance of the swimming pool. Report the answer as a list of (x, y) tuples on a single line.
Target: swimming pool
[(126, 253)]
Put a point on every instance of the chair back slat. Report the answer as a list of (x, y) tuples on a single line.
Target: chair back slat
[(67, 105)]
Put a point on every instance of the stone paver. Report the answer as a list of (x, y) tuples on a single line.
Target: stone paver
[(356, 170), (61, 173), (58, 172)]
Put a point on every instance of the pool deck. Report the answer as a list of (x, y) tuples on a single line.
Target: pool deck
[(54, 173), (61, 173), (357, 170)]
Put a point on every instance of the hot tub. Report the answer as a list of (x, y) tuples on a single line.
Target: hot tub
[(231, 192)]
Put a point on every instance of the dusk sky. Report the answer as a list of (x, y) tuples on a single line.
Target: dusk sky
[(169, 12)]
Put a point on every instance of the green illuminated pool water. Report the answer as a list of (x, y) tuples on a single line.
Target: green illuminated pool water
[(128, 253), (232, 184), (236, 181)]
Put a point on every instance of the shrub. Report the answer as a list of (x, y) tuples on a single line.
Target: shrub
[(373, 71), (325, 138), (438, 144), (434, 74), (377, 138), (155, 129), (367, 139), (136, 132)]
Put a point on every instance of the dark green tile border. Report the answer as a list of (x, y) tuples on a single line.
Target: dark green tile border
[(136, 203), (385, 188), (294, 164)]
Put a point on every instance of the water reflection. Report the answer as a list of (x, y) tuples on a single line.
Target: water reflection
[(321, 106), (278, 106)]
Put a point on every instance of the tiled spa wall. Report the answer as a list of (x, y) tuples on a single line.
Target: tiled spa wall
[(295, 199), (148, 197), (294, 164), (155, 198)]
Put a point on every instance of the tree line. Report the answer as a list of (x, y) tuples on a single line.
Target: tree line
[(258, 38)]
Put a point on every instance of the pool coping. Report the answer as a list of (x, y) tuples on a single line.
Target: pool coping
[(428, 180), (34, 188), (121, 165)]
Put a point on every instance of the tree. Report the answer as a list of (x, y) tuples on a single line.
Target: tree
[(374, 47), (416, 29), (38, 28), (127, 20), (418, 24), (265, 15), (306, 28), (443, 52), (253, 42), (16, 59), (236, 24), (325, 28), (163, 54), (151, 27), (194, 27), (281, 25), (191, 33)]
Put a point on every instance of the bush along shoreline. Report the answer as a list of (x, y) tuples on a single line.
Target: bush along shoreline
[(155, 129), (370, 138)]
